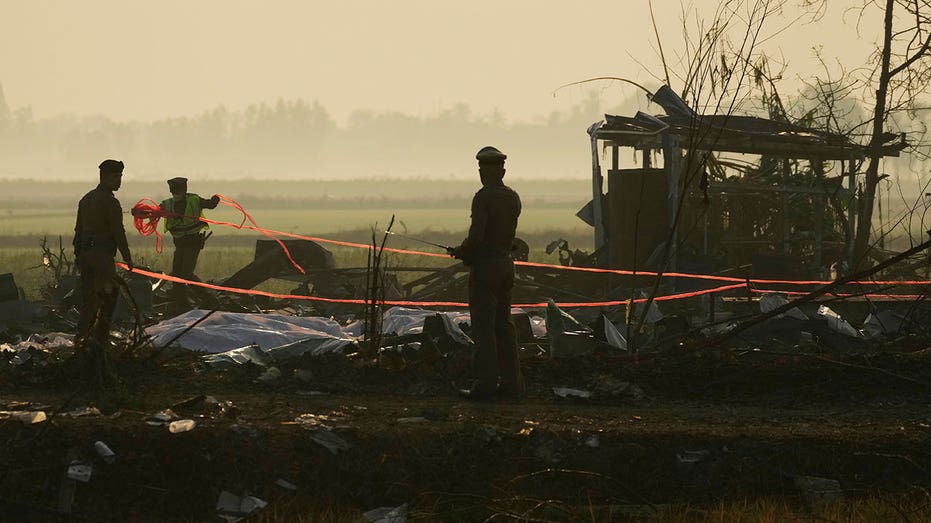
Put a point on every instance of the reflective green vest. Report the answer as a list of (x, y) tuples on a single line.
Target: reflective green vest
[(188, 223)]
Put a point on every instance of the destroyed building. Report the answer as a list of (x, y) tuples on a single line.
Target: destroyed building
[(789, 211)]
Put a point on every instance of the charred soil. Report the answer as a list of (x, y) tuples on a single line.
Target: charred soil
[(694, 428)]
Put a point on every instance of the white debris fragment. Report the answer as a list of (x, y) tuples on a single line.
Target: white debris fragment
[(29, 417), (182, 425), (104, 452), (566, 392), (387, 514), (836, 322), (80, 471), (285, 484)]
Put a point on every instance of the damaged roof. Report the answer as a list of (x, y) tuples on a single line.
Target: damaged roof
[(732, 133)]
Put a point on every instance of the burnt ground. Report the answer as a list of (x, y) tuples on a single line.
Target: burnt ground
[(692, 429)]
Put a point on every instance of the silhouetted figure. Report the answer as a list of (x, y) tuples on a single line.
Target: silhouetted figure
[(487, 251), (98, 234), (189, 234)]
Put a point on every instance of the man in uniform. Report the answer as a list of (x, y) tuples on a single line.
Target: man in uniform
[(487, 250), (98, 234), (183, 211)]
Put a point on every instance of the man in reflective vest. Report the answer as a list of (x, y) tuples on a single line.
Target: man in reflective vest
[(184, 211)]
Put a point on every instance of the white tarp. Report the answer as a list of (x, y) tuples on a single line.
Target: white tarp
[(263, 357), (538, 326), (224, 331), (263, 338), (402, 320), (772, 301)]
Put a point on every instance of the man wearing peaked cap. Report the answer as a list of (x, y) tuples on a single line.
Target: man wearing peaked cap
[(98, 234), (487, 251), (489, 154), (111, 167), (184, 212)]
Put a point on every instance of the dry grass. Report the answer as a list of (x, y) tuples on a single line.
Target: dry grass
[(761, 510)]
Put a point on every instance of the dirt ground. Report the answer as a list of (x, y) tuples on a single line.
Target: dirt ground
[(683, 429)]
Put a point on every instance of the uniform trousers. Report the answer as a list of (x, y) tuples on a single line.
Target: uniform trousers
[(98, 294), (187, 250), (491, 281)]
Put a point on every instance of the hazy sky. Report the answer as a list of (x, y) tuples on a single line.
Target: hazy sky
[(129, 59)]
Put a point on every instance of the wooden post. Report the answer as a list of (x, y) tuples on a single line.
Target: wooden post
[(671, 152), (598, 214), (615, 166), (646, 161)]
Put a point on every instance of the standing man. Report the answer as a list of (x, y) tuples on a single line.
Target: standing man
[(487, 250), (184, 211), (98, 234)]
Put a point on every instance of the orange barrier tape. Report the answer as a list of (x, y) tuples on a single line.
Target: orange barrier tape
[(146, 214), (254, 292), (623, 272), (408, 303), (229, 202), (721, 278), (903, 297)]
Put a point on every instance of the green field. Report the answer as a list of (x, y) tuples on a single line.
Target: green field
[(313, 222), (315, 208), (434, 210)]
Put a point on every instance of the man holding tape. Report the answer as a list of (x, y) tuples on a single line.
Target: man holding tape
[(184, 211), (487, 250)]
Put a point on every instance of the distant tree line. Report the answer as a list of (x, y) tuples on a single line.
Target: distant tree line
[(295, 139)]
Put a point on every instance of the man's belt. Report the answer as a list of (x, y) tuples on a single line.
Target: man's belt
[(185, 230), (488, 252), (105, 245), (100, 243)]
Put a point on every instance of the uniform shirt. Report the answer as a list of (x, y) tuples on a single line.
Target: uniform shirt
[(178, 207), (99, 224), (495, 208)]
